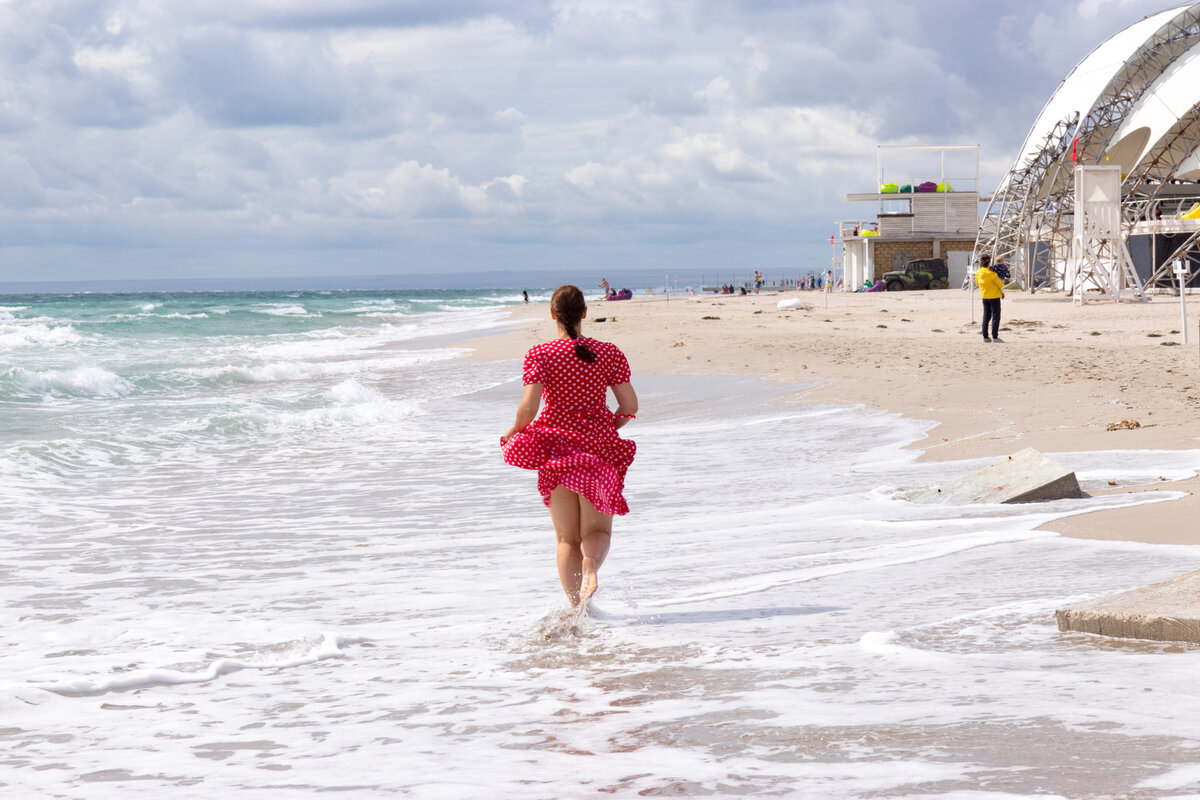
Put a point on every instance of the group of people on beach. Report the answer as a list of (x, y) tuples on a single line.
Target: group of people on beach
[(810, 282), (611, 293)]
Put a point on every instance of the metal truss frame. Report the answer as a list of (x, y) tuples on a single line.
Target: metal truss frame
[(1164, 275), (1035, 203)]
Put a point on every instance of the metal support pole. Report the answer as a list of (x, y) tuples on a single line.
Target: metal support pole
[(1181, 273), (971, 293)]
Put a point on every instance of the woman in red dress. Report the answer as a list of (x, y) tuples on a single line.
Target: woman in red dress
[(573, 444)]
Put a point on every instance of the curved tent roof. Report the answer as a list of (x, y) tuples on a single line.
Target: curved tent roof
[(1189, 170), (1133, 102), (1153, 67), (1079, 91)]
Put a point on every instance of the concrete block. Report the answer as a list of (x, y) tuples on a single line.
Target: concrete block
[(1023, 477), (1164, 612)]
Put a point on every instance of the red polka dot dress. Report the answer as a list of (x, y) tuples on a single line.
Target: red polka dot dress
[(573, 442)]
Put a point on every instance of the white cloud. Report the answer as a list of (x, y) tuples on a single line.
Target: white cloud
[(713, 151), (126, 61), (587, 175), (414, 191), (510, 116), (718, 90)]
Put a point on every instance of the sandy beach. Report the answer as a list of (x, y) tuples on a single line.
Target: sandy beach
[(1067, 378)]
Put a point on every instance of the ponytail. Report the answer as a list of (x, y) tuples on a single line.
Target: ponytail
[(581, 352), (568, 306)]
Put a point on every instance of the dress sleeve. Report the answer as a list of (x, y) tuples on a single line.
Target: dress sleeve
[(617, 367), (533, 372)]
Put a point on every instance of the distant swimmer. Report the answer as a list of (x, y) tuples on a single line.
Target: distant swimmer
[(526, 296), (573, 444)]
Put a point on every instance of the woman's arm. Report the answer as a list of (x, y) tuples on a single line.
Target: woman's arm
[(527, 410), (627, 402)]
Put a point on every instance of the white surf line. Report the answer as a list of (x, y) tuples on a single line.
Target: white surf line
[(328, 646), (1031, 606), (948, 546), (856, 553)]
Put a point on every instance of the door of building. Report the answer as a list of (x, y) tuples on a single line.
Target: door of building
[(958, 262)]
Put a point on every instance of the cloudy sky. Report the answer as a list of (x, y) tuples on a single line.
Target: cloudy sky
[(215, 138)]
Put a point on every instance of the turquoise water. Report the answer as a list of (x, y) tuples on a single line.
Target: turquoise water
[(177, 353)]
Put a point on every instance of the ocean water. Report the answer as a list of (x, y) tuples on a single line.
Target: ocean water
[(264, 545)]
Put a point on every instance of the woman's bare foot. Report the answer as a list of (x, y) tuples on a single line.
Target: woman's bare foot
[(588, 581)]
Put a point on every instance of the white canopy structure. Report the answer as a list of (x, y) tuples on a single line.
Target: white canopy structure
[(1132, 103)]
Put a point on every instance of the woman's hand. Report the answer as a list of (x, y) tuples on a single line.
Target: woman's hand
[(527, 410), (627, 403)]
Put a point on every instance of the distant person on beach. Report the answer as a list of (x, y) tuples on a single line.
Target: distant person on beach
[(573, 444), (757, 281), (991, 289), (526, 296), (608, 290)]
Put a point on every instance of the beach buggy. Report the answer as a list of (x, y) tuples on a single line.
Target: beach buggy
[(924, 273)]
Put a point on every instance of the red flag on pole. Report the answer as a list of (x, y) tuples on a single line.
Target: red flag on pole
[(831, 238), (1074, 152)]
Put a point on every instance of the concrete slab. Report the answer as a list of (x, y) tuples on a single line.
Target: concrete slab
[(1164, 612), (1023, 477)]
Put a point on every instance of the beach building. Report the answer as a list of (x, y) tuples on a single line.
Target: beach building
[(926, 206), (1129, 112)]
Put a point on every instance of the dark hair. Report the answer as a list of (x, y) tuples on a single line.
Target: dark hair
[(985, 260), (568, 306)]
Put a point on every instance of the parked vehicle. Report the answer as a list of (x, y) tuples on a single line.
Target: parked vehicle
[(923, 273)]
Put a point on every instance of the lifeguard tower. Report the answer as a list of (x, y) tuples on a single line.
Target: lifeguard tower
[(926, 206), (1099, 264)]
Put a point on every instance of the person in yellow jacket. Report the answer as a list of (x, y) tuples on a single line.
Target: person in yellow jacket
[(991, 288)]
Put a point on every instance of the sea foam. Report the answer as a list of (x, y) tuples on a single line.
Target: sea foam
[(36, 334), (284, 311), (77, 381), (282, 655)]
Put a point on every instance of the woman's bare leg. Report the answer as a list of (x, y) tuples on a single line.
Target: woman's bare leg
[(564, 513), (583, 536), (595, 537)]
